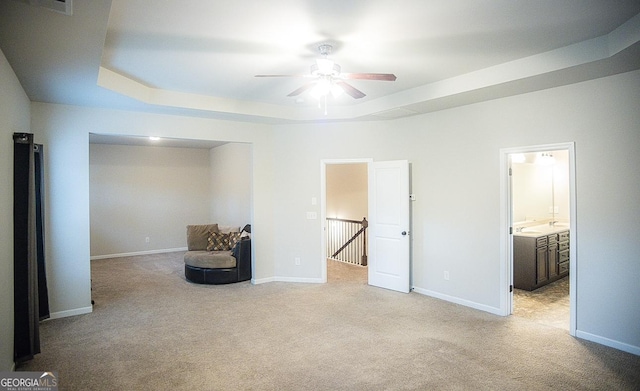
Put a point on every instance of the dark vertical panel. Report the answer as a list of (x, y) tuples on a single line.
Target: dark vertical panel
[(43, 292), (26, 302), (20, 245)]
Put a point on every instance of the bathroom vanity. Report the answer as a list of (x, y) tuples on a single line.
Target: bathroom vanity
[(540, 256)]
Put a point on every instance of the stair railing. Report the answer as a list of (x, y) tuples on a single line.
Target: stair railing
[(347, 240)]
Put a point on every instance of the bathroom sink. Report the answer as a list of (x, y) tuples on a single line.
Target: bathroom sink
[(543, 229)]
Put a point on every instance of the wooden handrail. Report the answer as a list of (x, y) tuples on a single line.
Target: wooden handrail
[(349, 241), (364, 224)]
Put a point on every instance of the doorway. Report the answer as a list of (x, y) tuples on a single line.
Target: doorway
[(389, 264), (345, 213), (539, 221)]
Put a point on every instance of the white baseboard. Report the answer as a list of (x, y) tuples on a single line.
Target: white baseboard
[(287, 279), (299, 279), (133, 254), (73, 312), (609, 342), (256, 281), (457, 300)]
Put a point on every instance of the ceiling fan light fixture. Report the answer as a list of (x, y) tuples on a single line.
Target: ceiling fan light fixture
[(336, 90), (322, 88), (329, 80), (325, 67)]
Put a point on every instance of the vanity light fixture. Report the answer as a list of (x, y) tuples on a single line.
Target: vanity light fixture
[(545, 159)]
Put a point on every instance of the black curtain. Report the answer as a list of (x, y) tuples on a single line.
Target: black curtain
[(28, 247), (43, 292)]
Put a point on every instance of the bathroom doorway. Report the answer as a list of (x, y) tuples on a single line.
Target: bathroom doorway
[(540, 233)]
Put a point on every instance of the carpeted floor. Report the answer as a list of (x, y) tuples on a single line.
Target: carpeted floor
[(151, 329)]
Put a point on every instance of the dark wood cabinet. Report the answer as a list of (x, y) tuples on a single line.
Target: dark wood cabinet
[(563, 253), (541, 265), (539, 259)]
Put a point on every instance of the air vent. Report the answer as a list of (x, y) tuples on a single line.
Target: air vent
[(61, 6)]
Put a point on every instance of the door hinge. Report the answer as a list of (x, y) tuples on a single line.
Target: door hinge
[(510, 171), (510, 230), (510, 288)]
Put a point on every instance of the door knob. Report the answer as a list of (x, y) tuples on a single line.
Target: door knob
[(404, 233)]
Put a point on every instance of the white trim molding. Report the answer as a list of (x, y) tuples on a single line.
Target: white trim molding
[(457, 300), (73, 312), (609, 342), (133, 254)]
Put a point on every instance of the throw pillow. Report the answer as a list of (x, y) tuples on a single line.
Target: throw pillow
[(234, 237), (218, 242)]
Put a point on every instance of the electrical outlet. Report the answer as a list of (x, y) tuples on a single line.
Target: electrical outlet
[(146, 240), (297, 260), (446, 275)]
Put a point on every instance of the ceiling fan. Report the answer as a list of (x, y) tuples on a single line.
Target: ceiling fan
[(328, 78)]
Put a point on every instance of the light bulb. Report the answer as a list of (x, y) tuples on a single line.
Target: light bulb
[(336, 90), (322, 88)]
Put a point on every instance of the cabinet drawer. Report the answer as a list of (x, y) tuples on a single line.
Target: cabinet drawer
[(563, 246), (563, 236), (542, 241), (553, 238), (563, 267), (563, 256)]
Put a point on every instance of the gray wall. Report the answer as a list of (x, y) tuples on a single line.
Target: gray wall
[(231, 177), (139, 192), (347, 187), (455, 176), (14, 117)]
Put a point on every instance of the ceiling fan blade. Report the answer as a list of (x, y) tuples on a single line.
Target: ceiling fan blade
[(351, 90), (302, 89), (369, 76)]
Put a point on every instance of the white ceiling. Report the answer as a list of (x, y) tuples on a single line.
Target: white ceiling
[(199, 58)]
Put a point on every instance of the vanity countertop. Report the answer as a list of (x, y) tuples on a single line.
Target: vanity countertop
[(541, 230)]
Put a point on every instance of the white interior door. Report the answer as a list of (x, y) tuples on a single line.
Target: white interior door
[(389, 264)]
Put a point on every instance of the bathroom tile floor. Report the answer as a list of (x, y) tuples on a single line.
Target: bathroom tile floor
[(547, 305)]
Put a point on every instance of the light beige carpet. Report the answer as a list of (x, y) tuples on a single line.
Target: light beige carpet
[(153, 330)]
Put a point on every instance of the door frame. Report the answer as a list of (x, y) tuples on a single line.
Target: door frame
[(506, 221), (323, 206)]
